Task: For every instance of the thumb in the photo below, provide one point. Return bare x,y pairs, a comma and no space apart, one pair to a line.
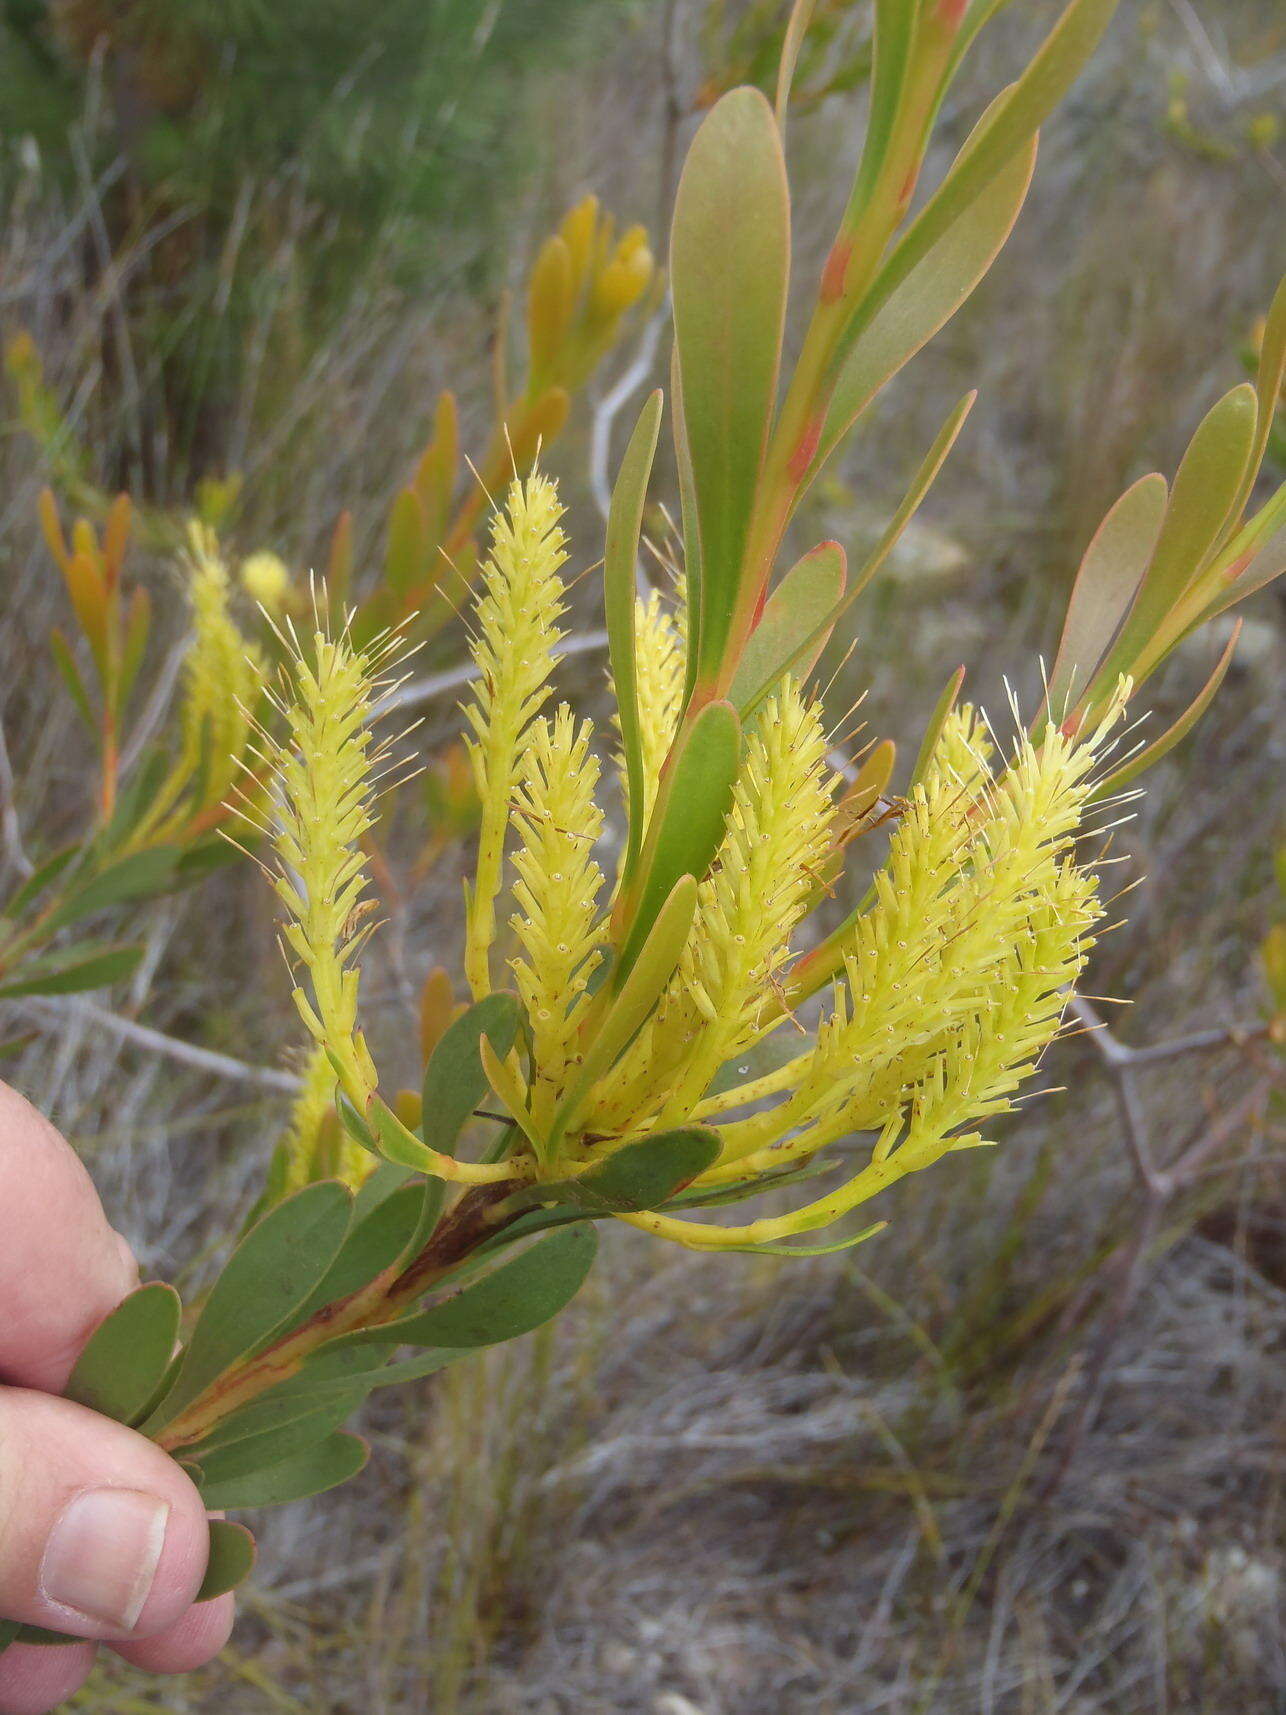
101,1534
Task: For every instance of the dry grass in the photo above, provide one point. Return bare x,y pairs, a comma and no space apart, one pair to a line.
727,1487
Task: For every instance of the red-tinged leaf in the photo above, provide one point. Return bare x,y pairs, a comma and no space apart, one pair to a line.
408,543
1205,488
1135,765
1109,576
895,27
925,300
794,628
730,261
620,560
88,592
538,428
687,822
1262,568
1006,128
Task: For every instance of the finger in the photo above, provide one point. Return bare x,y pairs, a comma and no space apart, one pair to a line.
191,1642
101,1534
62,1268
34,1679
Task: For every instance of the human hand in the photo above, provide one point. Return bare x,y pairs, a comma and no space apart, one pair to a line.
102,1535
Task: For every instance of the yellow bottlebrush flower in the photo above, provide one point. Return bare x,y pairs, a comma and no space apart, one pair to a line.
955,983
516,633
557,897
748,908
323,766
659,674
223,674
314,1145
266,580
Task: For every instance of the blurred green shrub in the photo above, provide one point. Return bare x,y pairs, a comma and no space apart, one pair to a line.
250,153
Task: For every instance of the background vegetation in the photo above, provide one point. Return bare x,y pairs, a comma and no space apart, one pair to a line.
1011,1457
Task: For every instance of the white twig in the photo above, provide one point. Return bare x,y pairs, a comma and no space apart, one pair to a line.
10,827
610,407
157,1042
418,691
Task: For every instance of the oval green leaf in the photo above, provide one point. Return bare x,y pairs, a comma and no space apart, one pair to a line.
125,1360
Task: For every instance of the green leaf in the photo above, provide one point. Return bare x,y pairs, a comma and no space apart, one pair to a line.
781,1248
1270,380
688,518
9,1630
1109,576
729,267
232,1559
142,875
881,344
454,1081
376,1244
640,1175
39,880
513,1299
933,731
796,29
323,1467
793,628
271,1274
910,504
639,993
408,545
290,1436
1133,766
1205,488
687,822
72,971
127,1356
620,561
70,675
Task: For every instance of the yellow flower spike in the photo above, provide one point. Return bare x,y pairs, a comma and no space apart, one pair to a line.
659,670
266,580
323,767
578,230
778,836
557,897
516,622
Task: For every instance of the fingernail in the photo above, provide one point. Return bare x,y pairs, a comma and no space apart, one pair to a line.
103,1553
